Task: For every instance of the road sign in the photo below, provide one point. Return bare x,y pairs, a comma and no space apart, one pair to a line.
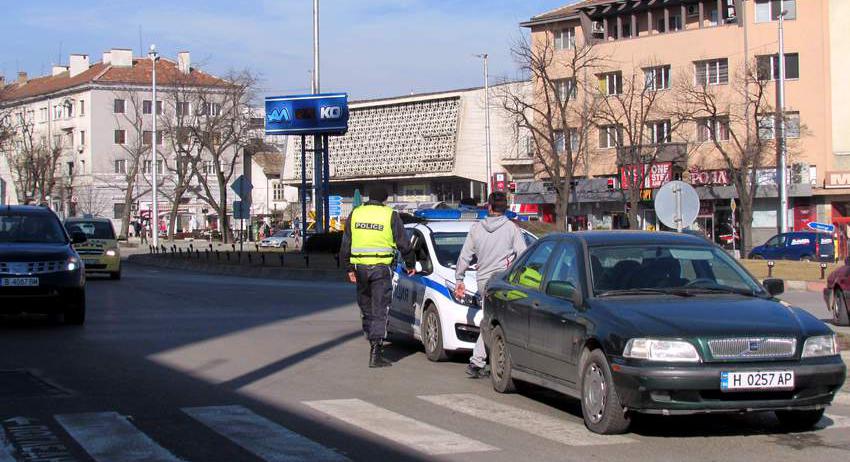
241,212
242,188
677,205
334,200
335,211
821,227
324,114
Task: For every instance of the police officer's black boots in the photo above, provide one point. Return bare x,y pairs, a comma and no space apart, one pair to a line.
376,356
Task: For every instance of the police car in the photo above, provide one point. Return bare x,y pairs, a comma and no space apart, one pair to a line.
424,305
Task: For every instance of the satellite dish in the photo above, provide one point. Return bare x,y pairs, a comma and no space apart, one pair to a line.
677,205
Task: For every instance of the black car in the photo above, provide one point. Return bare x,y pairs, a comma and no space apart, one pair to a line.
39,270
660,323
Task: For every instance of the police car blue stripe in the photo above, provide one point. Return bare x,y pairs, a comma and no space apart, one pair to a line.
430,283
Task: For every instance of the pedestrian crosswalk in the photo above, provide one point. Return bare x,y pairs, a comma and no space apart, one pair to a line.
109,436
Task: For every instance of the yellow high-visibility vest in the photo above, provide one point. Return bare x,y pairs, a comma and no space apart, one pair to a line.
372,240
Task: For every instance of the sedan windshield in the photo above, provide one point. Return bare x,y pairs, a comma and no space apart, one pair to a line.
31,228
285,233
92,229
447,246
636,270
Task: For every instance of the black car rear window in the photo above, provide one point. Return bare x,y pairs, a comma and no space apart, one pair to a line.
34,228
92,229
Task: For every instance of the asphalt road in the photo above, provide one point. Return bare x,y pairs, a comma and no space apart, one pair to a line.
185,367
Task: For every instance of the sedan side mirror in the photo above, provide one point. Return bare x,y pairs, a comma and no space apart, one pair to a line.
78,237
774,286
564,290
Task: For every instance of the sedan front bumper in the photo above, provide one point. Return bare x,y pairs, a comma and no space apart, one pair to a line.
696,389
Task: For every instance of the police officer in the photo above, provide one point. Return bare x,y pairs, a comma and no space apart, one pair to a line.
372,235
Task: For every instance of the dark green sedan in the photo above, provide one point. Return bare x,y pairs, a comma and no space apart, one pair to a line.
637,322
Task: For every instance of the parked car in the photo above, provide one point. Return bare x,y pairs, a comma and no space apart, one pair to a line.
424,305
660,323
100,252
835,294
40,272
801,245
280,239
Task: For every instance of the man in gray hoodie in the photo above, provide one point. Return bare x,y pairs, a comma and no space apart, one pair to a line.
496,242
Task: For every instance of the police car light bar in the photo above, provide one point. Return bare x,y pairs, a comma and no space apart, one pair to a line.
455,214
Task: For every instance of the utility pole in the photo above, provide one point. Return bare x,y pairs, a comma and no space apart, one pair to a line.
779,124
489,167
155,190
318,147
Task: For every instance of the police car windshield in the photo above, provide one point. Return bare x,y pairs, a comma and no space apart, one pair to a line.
31,228
92,229
447,246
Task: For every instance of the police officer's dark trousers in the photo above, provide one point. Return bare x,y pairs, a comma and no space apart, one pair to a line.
374,295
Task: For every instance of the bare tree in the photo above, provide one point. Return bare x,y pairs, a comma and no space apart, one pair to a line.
731,120
634,118
135,140
92,201
32,157
558,114
222,126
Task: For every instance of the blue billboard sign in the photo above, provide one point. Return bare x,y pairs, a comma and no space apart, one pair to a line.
821,226
323,114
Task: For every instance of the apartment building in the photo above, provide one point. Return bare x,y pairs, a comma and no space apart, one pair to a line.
711,41
86,112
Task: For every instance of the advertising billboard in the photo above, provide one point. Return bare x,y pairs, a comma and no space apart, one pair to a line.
323,114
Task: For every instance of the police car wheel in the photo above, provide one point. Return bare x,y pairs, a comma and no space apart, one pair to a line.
500,363
432,336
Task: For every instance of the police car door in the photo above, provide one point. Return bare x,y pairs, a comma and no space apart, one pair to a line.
405,293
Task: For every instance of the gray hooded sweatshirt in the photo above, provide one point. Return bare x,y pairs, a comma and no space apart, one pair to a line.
496,241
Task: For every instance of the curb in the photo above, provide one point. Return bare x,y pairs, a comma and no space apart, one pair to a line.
240,270
805,286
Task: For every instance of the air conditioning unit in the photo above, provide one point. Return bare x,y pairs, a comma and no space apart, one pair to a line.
693,10
597,27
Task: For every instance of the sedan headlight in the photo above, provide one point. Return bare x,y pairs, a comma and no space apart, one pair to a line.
661,350
111,253
72,264
469,298
822,345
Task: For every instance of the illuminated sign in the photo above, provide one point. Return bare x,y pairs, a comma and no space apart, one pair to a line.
323,114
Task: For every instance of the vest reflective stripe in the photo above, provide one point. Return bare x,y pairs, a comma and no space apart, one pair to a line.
372,240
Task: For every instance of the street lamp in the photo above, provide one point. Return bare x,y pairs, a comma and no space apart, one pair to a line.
781,146
489,167
155,212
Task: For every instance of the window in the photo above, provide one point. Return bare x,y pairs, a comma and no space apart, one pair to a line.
277,192
610,136
118,106
627,30
560,141
565,39
675,23
43,113
147,106
57,112
120,136
121,166
719,125
183,135
207,167
712,71
659,131
768,10
118,210
182,108
611,83
565,266
530,273
211,109
68,109
767,124
147,137
82,137
657,78
147,167
768,66
566,89
82,107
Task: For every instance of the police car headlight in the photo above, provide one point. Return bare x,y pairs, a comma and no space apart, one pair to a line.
661,350
822,345
469,298
111,253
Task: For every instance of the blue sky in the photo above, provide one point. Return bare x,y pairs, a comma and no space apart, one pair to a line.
370,48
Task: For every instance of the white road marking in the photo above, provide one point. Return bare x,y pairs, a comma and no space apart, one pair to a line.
542,425
262,437
398,428
110,437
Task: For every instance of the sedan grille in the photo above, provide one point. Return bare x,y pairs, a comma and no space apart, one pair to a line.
754,348
32,267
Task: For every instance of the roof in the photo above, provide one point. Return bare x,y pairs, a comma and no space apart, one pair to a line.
27,209
596,238
563,12
139,73
458,226
89,219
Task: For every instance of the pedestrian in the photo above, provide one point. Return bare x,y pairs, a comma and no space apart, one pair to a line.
373,235
495,241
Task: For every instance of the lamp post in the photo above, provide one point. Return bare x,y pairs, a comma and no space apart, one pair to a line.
489,167
781,141
155,190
